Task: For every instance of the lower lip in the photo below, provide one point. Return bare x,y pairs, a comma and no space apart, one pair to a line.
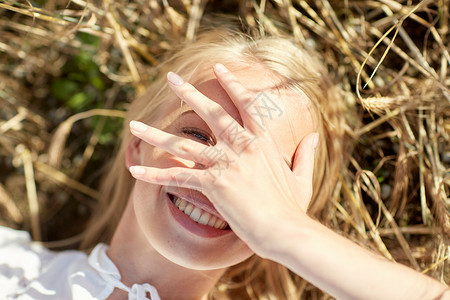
192,226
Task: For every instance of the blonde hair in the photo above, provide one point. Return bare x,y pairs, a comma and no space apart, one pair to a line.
302,72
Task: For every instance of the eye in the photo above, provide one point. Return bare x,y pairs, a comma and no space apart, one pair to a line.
200,135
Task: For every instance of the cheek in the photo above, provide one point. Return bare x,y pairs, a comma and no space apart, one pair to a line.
150,156
157,157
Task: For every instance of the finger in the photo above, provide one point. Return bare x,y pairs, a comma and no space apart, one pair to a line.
212,113
243,99
178,146
177,176
303,165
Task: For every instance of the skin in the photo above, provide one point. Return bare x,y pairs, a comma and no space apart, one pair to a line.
148,236
281,230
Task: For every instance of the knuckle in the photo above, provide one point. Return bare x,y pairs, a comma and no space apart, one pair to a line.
221,183
187,93
184,147
172,176
247,96
214,110
251,144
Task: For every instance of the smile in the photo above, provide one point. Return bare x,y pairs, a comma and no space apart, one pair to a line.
197,214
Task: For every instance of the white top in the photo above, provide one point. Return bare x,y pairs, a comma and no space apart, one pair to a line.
30,271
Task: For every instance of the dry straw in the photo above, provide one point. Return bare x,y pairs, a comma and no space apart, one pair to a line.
391,59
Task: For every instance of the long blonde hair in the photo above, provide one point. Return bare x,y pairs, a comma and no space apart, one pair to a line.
303,73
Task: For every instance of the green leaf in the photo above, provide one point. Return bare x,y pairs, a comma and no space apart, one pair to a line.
98,83
78,101
88,39
63,89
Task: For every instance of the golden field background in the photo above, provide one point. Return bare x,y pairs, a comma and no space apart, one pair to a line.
69,68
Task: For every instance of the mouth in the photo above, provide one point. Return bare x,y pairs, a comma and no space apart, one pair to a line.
197,214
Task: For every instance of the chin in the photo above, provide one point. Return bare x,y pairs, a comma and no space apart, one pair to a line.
183,226
194,262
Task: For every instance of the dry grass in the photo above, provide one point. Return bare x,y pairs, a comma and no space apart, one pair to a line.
391,59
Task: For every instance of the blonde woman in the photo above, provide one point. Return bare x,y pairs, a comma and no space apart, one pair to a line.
222,160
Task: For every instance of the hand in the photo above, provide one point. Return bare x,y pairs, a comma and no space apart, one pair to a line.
249,183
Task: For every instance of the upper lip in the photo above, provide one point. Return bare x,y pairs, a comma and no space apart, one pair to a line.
194,197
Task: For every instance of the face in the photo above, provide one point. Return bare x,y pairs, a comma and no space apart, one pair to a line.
172,232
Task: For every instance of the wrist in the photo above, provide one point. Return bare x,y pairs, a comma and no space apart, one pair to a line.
283,234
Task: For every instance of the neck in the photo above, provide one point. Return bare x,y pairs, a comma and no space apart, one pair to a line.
138,262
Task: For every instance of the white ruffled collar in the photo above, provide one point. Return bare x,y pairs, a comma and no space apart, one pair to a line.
99,260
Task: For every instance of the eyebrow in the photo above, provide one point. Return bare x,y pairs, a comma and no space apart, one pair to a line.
286,159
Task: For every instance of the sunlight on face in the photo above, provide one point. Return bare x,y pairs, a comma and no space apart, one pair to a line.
287,120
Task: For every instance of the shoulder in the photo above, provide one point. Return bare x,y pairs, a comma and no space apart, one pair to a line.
18,255
11,236
20,260
29,271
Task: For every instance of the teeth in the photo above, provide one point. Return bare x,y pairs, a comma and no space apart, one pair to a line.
188,209
212,221
204,219
220,224
181,205
195,214
198,215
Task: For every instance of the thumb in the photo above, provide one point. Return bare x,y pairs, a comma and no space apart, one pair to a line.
303,165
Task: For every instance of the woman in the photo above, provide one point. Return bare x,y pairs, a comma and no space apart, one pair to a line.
225,171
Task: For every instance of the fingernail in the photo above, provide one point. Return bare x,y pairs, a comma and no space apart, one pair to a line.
138,126
174,78
220,68
137,170
315,140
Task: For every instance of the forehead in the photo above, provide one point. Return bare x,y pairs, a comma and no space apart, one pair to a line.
285,114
